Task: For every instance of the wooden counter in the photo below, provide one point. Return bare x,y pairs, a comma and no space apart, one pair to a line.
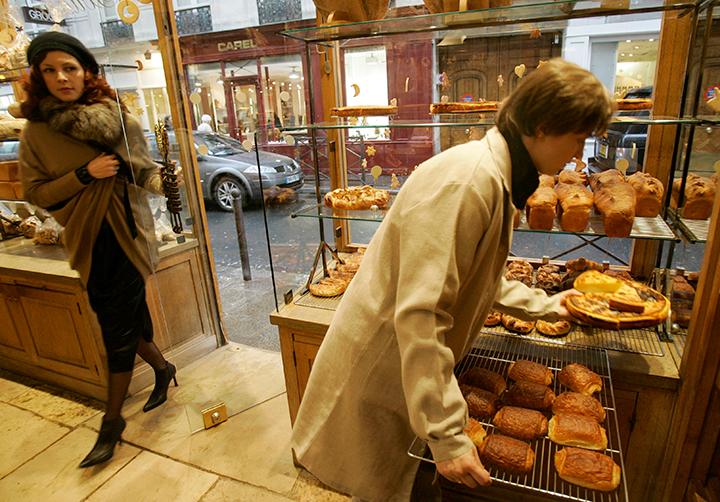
48,330
644,387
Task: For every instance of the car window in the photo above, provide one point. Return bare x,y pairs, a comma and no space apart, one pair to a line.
217,145
8,150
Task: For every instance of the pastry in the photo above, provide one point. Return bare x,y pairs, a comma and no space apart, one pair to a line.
626,299
519,266
579,404
699,197
29,226
588,469
475,431
507,453
580,379
553,329
518,326
605,179
649,192
546,180
484,379
626,104
619,274
520,423
549,279
577,430
357,197
328,287
575,204
481,403
594,281
463,107
529,395
616,204
570,177
362,111
681,289
493,318
530,371
540,208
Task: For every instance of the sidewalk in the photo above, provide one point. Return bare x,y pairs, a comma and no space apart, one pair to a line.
165,454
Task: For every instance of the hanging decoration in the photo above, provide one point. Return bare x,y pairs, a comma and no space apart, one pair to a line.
169,178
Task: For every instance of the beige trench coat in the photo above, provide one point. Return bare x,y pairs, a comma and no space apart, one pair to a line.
431,274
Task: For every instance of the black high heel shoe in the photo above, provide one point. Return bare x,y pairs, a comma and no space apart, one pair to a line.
162,381
110,433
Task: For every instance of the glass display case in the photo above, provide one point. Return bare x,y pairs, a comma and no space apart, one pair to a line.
477,56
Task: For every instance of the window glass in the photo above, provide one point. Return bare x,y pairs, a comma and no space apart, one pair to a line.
283,94
366,83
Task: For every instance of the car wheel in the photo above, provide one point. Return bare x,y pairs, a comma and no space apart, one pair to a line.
222,192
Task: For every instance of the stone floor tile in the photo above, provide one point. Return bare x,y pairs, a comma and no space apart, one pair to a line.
309,489
54,475
12,385
149,477
58,405
228,490
23,435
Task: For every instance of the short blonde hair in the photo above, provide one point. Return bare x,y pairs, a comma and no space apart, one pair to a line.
558,98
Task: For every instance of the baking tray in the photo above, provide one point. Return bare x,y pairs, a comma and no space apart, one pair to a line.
496,352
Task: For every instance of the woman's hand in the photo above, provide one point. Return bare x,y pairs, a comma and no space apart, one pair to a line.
465,469
562,311
103,166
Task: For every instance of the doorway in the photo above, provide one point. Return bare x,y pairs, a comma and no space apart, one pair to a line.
244,107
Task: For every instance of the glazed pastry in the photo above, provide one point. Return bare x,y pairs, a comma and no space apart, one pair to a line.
517,325
521,423
507,453
493,318
577,430
579,404
475,431
484,379
529,395
588,469
580,379
553,329
481,403
530,371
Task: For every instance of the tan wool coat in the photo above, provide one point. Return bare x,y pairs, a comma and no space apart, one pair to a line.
48,159
431,274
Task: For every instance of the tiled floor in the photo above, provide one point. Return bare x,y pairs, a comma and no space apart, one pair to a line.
165,454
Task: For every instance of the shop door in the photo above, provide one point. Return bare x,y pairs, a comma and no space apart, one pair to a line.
244,107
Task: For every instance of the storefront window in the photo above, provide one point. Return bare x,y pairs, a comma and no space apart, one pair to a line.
206,81
636,61
366,83
283,94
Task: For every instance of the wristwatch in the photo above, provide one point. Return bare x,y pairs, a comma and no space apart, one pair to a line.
84,175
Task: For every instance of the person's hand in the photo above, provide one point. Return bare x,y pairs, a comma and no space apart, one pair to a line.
465,469
562,311
103,166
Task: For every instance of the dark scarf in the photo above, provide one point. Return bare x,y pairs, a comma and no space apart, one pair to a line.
98,124
525,177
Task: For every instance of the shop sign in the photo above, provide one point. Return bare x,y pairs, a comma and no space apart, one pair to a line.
39,15
236,45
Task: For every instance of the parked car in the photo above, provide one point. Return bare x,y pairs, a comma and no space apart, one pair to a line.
228,165
621,137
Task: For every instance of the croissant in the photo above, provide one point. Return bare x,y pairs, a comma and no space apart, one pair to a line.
475,431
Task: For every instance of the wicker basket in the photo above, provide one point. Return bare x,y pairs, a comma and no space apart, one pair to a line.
344,11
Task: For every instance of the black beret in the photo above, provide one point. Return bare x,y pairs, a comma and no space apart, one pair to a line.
58,41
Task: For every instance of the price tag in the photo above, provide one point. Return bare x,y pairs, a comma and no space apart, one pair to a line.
376,171
622,165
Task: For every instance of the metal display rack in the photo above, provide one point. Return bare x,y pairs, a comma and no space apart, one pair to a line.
496,352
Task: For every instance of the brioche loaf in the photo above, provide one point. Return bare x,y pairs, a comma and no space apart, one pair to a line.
616,204
576,203
546,180
699,197
588,469
540,208
571,177
649,193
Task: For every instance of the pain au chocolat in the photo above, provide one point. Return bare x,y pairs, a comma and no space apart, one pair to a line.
521,423
529,395
506,453
577,430
530,371
485,379
579,404
588,469
580,379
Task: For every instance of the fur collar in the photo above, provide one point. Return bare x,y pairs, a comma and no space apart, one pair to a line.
98,123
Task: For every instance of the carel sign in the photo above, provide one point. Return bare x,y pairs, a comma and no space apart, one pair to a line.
38,15
236,45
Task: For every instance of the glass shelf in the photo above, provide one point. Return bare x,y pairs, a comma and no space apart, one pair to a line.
526,12
695,231
473,120
643,228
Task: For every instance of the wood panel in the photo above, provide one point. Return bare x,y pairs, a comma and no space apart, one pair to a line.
305,354
14,327
625,404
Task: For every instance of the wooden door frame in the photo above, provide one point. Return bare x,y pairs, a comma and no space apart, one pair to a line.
228,84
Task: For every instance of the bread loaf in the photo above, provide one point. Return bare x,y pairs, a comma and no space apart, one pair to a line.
577,430
649,192
507,453
475,431
616,203
576,203
529,395
570,177
605,178
588,469
481,403
484,379
540,209
546,180
580,379
530,371
579,404
521,423
699,197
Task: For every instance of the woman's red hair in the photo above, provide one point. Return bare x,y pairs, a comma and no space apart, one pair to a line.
96,89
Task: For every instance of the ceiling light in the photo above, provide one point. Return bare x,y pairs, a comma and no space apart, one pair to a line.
294,74
651,40
622,54
628,41
637,47
630,55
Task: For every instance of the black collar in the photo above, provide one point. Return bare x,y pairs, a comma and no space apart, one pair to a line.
525,177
